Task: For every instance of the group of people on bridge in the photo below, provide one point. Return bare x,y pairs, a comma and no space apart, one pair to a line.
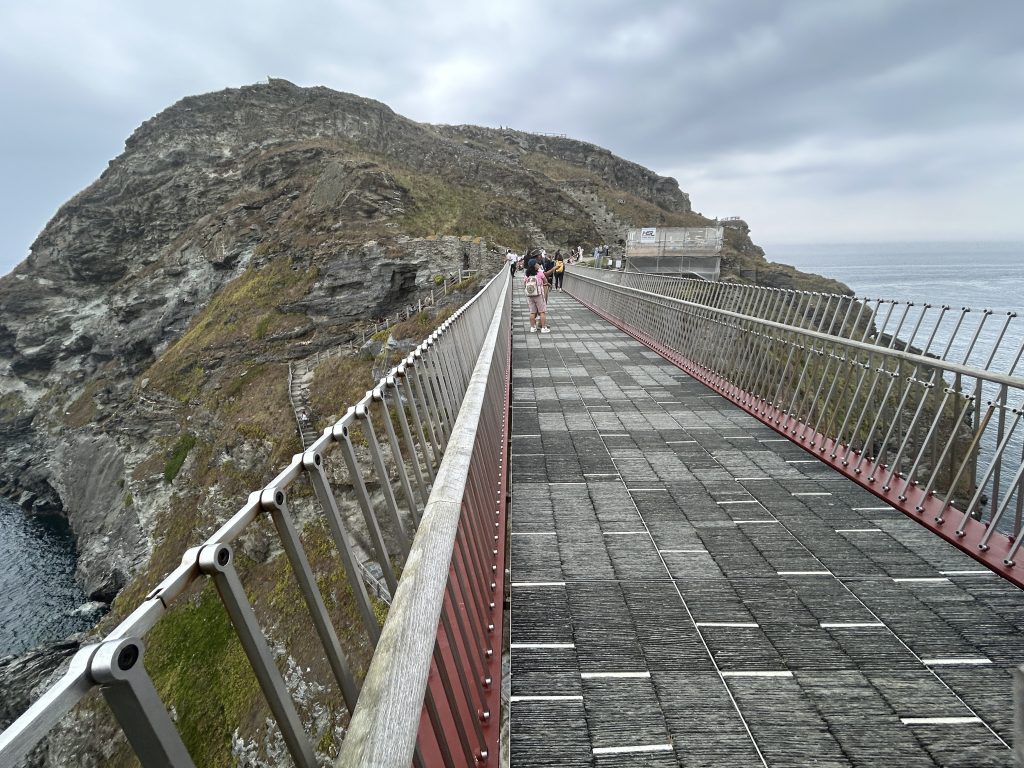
542,273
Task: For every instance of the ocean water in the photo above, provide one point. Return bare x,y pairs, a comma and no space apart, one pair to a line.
40,600
978,275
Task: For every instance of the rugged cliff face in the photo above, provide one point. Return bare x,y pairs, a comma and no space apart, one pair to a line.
145,342
315,210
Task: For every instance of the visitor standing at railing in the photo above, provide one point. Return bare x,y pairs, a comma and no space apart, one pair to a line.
559,271
535,284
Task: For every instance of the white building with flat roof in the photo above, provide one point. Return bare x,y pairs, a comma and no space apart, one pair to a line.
681,251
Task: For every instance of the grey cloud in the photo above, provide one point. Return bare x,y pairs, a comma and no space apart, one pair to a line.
667,84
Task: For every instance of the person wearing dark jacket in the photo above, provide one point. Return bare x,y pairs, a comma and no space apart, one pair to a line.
548,265
559,273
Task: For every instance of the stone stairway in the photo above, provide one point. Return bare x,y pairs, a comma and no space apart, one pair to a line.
300,376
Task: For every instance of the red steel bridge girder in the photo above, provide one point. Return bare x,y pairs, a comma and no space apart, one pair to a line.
430,749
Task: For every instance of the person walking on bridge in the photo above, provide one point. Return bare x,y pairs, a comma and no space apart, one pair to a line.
512,260
559,271
534,283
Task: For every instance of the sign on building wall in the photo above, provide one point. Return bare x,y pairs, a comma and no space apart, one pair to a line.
648,235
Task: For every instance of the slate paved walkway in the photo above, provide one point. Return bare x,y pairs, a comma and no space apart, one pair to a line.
690,589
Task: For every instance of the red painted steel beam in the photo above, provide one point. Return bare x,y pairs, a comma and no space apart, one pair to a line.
456,657
493,729
922,510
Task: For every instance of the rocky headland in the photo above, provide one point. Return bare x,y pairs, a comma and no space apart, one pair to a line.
145,345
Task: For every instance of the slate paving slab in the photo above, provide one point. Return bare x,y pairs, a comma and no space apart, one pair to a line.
688,590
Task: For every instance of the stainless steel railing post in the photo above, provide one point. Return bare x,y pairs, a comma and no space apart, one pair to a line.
128,690
216,560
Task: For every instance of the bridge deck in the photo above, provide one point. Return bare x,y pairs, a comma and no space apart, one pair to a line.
689,589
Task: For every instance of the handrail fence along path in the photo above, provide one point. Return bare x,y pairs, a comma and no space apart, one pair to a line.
430,439
899,397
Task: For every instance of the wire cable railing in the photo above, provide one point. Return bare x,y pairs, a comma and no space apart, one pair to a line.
423,453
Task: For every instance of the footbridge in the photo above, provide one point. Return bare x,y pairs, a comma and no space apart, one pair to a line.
698,524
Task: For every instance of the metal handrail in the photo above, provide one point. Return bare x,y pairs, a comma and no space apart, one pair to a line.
980,341
467,493
906,423
403,427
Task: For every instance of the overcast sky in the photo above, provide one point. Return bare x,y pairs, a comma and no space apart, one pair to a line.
815,120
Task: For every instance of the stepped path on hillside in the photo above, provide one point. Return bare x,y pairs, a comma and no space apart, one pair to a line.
690,588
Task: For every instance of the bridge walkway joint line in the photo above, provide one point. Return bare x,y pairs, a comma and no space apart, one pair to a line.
686,590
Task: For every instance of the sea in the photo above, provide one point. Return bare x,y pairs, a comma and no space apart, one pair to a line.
978,275
41,601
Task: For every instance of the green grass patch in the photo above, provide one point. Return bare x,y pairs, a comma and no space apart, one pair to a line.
238,313
263,326
178,455
200,669
466,283
558,170
444,208
340,382
422,324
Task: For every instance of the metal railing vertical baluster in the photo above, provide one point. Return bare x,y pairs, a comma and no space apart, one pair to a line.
362,414
869,400
790,341
927,388
216,561
342,433
792,412
864,363
435,392
425,447
380,397
833,355
451,699
905,394
117,667
1003,442
275,502
413,371
436,724
314,466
